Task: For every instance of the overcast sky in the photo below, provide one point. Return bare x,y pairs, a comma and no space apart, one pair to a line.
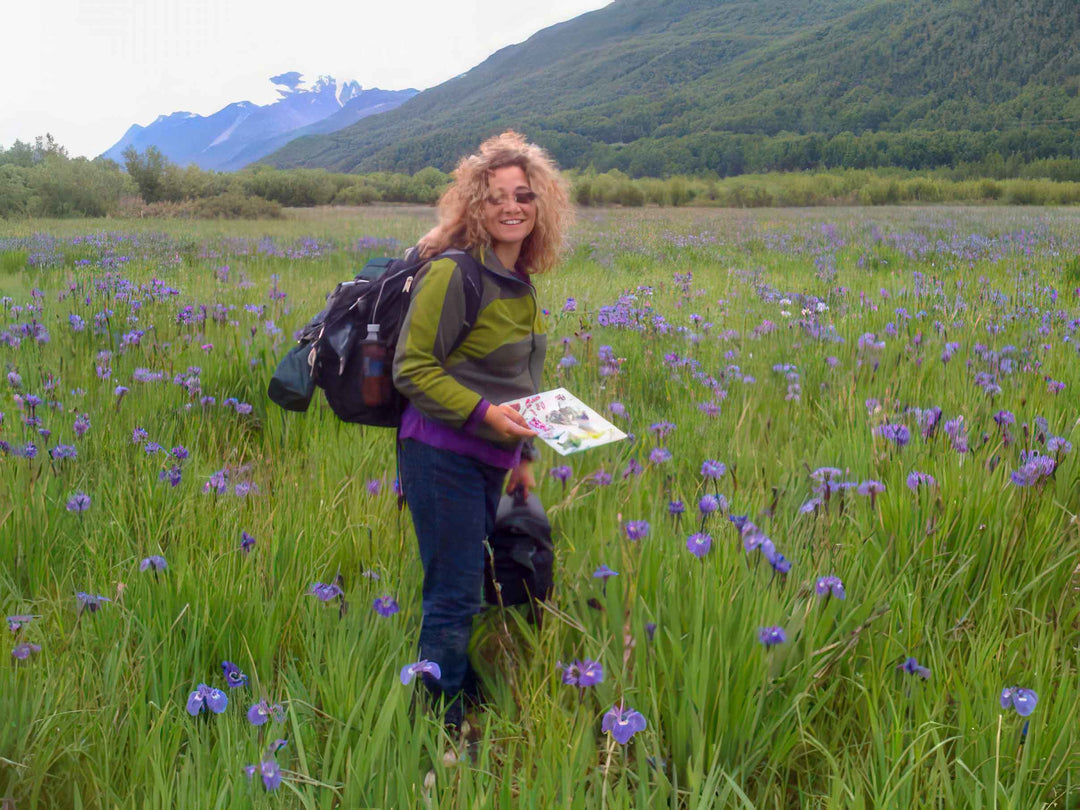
86,70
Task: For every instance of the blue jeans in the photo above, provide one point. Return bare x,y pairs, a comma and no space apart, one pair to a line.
452,499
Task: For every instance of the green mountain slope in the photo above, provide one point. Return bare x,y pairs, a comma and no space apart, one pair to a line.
733,85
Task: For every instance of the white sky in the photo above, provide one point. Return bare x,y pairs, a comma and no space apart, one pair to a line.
85,70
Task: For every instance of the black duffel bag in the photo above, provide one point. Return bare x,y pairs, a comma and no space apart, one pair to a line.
292,385
521,558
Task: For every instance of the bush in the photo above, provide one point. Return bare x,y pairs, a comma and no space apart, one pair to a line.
356,194
233,205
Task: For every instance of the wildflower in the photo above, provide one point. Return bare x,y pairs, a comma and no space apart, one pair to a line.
709,504
699,544
82,424
374,486
569,361
570,305
830,586
173,475
623,723
601,478
895,433
778,561
17,622
676,508
233,676
262,712
582,673
913,667
218,482
152,448
603,572
20,652
662,428
410,671
771,636
385,606
271,773
659,455
1023,700
179,452
63,451
561,473
155,562
650,630
811,505
916,478
617,408
79,502
636,529
713,469
90,603
138,435
633,467
325,592
204,697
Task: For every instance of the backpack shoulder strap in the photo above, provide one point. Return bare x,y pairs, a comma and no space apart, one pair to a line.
470,276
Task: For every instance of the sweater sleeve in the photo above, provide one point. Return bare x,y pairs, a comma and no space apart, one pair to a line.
434,319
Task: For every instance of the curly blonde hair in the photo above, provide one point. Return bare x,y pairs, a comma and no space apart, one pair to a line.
461,207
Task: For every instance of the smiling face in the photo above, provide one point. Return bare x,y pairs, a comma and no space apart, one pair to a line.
507,220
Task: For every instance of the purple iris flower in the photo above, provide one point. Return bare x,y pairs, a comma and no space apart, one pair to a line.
385,606
603,572
778,561
90,602
712,469
179,452
582,673
623,723
233,676
205,697
912,667
410,671
20,652
247,542
895,433
617,408
636,529
699,544
174,475
155,562
17,622
1023,700
916,478
561,473
676,508
830,586
269,770
79,502
262,712
601,478
709,504
325,592
659,455
138,435
633,467
374,486
771,636
152,448
810,506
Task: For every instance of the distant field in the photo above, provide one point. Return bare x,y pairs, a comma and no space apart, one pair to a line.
886,396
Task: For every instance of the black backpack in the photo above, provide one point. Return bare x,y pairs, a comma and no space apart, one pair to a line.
328,351
521,555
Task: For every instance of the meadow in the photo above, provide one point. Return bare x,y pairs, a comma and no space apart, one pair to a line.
844,526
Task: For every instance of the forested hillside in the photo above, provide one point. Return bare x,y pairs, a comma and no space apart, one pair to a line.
733,86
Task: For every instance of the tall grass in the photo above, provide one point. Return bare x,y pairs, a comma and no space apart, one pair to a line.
976,577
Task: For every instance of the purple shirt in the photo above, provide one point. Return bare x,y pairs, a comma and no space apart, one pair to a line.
414,425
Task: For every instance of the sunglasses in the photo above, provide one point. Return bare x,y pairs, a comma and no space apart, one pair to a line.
522,196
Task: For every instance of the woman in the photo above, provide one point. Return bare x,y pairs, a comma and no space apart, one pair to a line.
508,208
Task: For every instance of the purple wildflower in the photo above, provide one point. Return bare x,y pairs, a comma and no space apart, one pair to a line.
262,712
601,478
325,592
374,486
385,606
410,671
233,676
636,529
699,544
18,621
205,697
780,564
20,652
1023,700
173,475
771,636
676,508
710,503
713,469
623,723
830,586
247,542
138,435
561,473
916,478
659,455
155,562
79,502
912,667
89,602
583,673
603,572
617,408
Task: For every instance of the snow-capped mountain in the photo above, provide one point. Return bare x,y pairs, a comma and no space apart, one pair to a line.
242,132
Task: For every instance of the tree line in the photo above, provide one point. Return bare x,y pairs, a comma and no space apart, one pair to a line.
42,180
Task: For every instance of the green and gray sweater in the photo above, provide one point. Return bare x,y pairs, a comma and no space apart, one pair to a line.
500,359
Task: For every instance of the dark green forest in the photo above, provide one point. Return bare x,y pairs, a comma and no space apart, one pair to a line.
728,87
